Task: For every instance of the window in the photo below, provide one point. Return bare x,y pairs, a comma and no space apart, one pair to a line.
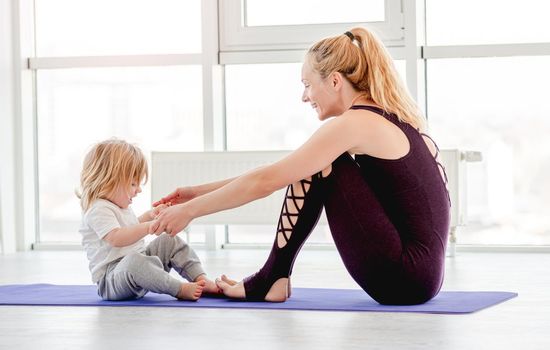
265,112
289,12
471,22
158,108
489,104
122,27
264,108
286,25
499,107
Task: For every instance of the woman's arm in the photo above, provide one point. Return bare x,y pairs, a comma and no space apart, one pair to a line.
330,141
199,190
184,194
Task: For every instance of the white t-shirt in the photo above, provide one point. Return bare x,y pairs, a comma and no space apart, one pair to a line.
101,218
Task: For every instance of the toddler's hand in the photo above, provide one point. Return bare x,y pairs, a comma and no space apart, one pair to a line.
153,226
158,209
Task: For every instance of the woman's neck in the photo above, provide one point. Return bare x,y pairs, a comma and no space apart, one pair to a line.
362,99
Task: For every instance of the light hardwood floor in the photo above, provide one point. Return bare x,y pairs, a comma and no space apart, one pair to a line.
520,323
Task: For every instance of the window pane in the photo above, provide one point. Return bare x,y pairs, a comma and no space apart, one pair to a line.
401,68
289,12
451,22
156,108
266,113
105,27
471,108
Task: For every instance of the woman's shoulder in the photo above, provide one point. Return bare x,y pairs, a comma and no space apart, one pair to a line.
367,119
378,135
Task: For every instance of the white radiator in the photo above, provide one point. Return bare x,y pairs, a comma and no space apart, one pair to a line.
173,169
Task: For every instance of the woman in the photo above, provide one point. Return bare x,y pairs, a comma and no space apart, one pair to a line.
387,208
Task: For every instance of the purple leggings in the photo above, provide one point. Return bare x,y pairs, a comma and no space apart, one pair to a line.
391,266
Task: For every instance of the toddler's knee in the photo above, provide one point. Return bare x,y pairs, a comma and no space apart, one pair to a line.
133,258
164,240
136,262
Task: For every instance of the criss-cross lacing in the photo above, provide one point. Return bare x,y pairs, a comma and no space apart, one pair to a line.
290,215
441,166
299,215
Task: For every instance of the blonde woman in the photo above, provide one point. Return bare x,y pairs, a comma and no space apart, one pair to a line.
120,263
370,166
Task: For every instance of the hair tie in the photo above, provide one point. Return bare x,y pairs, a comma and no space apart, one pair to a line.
350,36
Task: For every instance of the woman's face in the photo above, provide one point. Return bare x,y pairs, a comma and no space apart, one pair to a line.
319,93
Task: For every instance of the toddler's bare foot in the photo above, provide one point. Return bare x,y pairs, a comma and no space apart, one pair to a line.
191,291
209,286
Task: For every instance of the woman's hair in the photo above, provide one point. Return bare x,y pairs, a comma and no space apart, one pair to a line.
108,165
362,59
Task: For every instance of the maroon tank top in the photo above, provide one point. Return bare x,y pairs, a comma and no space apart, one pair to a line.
411,189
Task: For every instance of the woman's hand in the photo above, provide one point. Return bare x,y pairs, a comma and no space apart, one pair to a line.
171,220
179,196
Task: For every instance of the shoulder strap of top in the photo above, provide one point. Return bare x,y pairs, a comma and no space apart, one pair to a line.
432,140
371,108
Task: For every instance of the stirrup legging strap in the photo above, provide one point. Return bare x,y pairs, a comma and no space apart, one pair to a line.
281,258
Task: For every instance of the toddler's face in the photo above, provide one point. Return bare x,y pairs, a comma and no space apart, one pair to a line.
123,196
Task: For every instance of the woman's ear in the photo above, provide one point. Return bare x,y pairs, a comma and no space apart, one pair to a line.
337,80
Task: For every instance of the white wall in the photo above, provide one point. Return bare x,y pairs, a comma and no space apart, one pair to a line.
7,129
18,213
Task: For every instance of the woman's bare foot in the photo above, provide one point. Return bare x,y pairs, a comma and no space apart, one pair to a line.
210,286
228,280
277,293
231,288
191,291
233,282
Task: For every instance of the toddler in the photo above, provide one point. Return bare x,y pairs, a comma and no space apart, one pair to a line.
121,265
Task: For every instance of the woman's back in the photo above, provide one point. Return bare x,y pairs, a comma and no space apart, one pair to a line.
411,188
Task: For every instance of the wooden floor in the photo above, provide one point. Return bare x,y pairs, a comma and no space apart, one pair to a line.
520,323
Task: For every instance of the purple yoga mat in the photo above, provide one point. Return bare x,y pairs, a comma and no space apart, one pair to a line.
302,299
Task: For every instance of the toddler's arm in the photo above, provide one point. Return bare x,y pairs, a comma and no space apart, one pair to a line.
125,236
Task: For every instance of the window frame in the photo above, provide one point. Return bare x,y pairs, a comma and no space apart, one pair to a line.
235,36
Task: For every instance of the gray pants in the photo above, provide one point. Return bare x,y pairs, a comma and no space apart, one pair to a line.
138,273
